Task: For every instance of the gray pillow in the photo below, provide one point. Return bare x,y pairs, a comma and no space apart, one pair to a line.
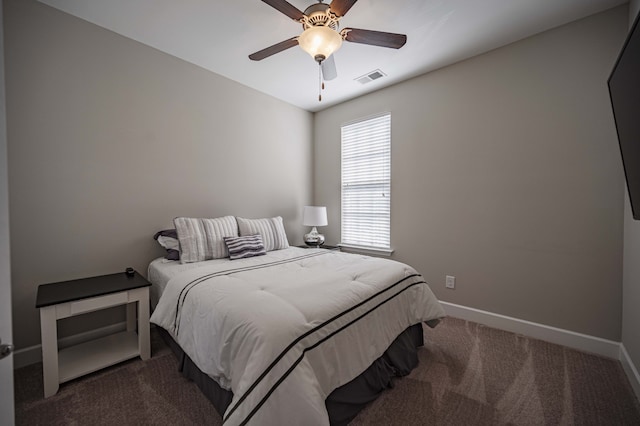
243,247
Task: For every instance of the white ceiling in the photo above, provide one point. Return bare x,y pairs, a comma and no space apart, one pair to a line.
219,35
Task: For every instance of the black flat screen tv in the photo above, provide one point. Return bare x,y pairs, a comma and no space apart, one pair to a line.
624,90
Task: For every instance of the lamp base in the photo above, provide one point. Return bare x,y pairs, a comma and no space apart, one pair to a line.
313,238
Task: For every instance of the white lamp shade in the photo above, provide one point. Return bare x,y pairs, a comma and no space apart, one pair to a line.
320,41
314,216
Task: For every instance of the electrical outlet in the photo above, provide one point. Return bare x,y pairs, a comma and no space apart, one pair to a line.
450,282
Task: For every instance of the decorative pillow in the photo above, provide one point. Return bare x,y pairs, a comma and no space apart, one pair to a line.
203,239
243,247
168,239
272,231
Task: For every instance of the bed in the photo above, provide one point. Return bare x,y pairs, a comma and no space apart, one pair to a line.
297,336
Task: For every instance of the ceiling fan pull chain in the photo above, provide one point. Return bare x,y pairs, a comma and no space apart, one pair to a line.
320,83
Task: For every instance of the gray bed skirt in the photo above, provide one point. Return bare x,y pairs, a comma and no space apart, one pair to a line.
344,403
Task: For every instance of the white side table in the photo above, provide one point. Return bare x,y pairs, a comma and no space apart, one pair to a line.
69,298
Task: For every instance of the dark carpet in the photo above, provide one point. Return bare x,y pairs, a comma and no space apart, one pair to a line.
469,374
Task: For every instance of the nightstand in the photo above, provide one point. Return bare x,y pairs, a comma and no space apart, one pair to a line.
69,298
324,246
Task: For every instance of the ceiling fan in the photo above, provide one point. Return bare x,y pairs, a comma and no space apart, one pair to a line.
321,37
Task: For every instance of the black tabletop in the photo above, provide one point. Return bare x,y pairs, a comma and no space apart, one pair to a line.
322,246
68,291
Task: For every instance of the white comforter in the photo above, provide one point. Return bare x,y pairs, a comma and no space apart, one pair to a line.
282,331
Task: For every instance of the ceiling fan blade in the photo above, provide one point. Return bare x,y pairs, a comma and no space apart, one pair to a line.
376,38
329,69
272,50
287,8
341,7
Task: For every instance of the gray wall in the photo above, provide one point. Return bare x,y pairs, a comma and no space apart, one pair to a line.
109,140
506,174
631,278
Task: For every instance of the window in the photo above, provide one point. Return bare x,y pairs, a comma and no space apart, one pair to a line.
366,183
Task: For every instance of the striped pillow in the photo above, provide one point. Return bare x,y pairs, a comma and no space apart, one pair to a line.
203,239
243,247
272,231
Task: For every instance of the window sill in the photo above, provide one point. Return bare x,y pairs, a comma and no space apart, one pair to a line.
351,248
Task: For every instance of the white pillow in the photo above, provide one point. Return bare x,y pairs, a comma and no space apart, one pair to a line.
168,239
203,239
272,231
169,243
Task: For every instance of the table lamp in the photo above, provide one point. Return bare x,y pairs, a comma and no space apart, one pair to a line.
314,216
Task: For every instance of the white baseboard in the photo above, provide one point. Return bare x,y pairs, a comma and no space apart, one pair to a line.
547,333
33,354
630,369
571,339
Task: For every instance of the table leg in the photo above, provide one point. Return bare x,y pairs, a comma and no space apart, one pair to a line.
49,332
143,326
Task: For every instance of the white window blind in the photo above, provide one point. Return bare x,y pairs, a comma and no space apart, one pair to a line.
366,182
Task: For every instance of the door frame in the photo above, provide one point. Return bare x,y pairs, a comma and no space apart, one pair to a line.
7,407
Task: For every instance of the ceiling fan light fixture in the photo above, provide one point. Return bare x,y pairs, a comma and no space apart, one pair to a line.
320,42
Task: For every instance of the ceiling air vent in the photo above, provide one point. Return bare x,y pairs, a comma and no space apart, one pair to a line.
370,76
